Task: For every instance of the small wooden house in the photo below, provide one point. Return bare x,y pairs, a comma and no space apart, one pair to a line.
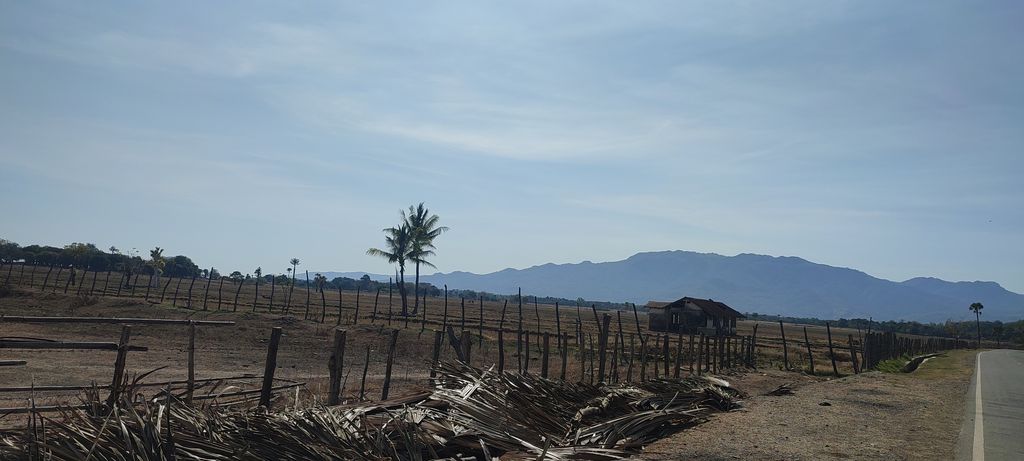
693,315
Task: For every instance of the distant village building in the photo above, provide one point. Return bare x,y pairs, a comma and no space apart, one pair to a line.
693,315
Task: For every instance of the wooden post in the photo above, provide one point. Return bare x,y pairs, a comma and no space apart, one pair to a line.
785,349
190,383
373,316
72,277
831,352
700,350
558,327
536,311
119,363
480,328
467,346
501,351
853,357
206,293
615,361
590,353
366,366
665,355
336,367
435,355
565,356
148,287
340,311
190,285
679,355
238,291
307,293
689,353
389,364
462,302
220,291
753,348
106,283
632,352
602,345
273,290
444,316
270,367
355,317
810,355
177,287
643,359
47,278
519,332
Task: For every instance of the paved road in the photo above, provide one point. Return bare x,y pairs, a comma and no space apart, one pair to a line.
994,426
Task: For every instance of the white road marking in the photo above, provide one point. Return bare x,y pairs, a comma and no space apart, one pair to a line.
979,432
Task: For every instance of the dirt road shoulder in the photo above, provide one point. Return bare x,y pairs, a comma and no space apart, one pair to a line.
869,416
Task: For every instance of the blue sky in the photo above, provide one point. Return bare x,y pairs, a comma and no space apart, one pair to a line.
884,136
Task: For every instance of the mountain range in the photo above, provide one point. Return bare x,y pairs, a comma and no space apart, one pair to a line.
785,285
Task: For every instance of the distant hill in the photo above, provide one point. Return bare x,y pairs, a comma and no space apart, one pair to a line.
751,283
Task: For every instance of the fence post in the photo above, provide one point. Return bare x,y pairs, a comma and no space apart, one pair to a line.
501,352
853,356
810,356
190,385
545,355
389,364
467,345
366,367
270,367
565,356
162,292
679,354
785,349
435,355
602,345
831,352
336,366
119,363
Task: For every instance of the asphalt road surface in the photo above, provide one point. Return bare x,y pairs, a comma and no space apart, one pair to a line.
994,426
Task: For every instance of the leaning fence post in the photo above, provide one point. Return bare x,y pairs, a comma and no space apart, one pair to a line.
810,356
467,345
679,354
785,349
390,363
366,367
271,366
831,353
119,363
336,366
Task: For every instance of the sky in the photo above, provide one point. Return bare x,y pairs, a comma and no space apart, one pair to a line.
883,136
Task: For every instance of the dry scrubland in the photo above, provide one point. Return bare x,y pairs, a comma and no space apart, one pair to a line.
305,347
913,407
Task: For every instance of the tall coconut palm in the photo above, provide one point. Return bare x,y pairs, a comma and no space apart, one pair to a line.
977,307
398,242
295,263
424,228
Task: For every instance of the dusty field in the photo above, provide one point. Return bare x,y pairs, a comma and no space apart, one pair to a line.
869,416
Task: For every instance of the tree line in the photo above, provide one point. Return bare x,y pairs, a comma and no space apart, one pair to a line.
1010,332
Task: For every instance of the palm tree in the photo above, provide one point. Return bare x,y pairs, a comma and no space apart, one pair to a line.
156,261
424,229
398,242
977,307
319,281
295,263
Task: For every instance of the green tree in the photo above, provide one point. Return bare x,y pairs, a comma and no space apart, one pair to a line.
977,307
424,229
398,242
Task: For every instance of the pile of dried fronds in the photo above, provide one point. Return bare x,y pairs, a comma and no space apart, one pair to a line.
470,414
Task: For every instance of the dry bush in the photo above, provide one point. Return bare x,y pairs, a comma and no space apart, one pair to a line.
81,301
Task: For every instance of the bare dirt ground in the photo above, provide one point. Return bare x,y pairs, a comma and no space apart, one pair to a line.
869,416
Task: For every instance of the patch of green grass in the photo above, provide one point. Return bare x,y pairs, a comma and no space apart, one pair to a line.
893,365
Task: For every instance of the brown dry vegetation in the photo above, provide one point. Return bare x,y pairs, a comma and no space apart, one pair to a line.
304,351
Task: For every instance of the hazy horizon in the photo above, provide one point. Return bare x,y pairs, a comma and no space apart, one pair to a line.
871,135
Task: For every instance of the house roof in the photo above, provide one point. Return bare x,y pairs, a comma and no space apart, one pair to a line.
709,306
